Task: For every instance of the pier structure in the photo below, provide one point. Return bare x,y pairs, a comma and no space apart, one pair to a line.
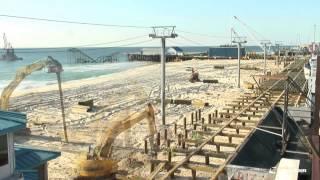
203,136
76,56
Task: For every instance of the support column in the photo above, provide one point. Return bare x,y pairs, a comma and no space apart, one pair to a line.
163,80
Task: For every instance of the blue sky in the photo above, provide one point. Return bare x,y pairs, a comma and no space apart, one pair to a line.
288,21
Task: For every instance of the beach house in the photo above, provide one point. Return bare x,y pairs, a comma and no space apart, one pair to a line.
17,161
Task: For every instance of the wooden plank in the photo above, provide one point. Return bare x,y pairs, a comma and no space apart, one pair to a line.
194,141
221,134
237,149
191,165
199,148
241,115
230,126
203,153
232,135
159,167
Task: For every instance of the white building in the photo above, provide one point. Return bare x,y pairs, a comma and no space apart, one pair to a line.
176,51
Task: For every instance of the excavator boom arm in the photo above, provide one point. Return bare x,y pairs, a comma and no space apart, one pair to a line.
23,72
120,126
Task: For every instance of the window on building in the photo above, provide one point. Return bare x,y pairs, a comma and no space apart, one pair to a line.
3,150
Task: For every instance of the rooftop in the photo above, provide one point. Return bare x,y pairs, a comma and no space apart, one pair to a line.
28,158
11,121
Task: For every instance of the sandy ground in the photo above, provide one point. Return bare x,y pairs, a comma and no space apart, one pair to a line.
116,96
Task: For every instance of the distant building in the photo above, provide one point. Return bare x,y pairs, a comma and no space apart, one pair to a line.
176,51
150,51
18,162
226,52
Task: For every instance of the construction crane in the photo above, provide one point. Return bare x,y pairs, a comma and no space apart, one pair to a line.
53,67
251,32
5,46
98,162
8,51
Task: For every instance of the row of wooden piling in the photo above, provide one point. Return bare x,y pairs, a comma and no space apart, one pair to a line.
213,120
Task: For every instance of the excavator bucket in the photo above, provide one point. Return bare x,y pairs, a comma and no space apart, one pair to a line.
97,168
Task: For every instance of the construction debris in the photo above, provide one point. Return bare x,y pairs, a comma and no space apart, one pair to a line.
218,66
194,76
248,85
210,81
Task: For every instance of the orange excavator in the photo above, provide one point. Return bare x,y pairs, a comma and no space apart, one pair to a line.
98,163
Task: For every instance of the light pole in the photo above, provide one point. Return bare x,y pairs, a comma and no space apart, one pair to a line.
265,43
239,40
163,32
278,44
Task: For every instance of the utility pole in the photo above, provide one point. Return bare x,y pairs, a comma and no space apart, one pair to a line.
314,33
238,40
163,32
284,118
265,43
278,44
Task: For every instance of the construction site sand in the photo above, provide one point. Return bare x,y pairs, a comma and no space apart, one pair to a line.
128,146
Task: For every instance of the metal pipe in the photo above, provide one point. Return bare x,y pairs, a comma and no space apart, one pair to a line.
163,79
62,108
239,46
265,60
270,132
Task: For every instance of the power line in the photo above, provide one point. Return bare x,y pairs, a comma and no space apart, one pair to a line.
87,49
200,34
111,42
187,39
97,44
73,22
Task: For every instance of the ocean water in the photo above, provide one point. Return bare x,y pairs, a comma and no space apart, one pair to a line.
71,71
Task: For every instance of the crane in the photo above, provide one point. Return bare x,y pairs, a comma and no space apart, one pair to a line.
53,67
5,41
249,29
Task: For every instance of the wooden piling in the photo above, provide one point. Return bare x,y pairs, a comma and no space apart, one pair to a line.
145,146
158,139
186,134
207,159
192,118
169,156
175,128
165,134
194,174
218,148
168,143
152,167
196,116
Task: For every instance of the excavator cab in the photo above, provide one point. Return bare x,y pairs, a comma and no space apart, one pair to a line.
54,69
54,66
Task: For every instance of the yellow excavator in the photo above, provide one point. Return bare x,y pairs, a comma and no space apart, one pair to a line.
51,64
98,163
